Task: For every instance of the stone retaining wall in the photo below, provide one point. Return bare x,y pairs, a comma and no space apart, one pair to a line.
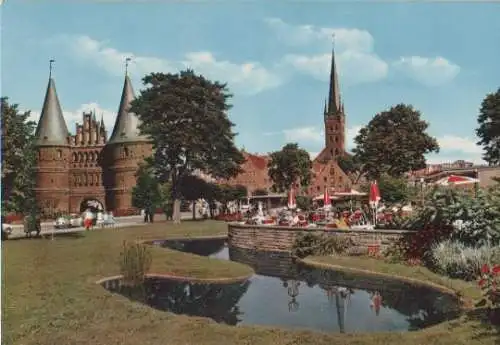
281,238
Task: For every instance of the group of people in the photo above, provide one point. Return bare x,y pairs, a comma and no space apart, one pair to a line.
100,219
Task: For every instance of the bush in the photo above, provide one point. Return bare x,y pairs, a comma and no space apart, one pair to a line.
457,260
135,262
312,244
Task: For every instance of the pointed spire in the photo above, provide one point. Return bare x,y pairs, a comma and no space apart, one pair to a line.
102,120
326,107
51,129
334,95
126,127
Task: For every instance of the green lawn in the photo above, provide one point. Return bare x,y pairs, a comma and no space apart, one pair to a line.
50,297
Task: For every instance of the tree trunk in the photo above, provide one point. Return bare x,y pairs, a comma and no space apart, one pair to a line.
194,210
177,211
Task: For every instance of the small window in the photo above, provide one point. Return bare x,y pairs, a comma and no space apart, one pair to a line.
125,150
325,179
59,154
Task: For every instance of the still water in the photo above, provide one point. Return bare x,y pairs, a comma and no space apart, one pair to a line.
285,294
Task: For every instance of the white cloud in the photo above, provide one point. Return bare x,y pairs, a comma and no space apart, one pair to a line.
313,155
74,116
355,58
247,77
428,71
304,135
351,133
453,148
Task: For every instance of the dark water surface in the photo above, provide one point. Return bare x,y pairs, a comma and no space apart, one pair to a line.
285,294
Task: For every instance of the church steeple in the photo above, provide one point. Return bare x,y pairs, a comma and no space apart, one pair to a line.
334,104
126,127
51,129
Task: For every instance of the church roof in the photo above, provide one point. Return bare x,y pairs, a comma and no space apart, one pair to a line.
51,129
126,127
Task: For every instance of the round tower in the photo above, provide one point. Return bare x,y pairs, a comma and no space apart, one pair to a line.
53,156
125,150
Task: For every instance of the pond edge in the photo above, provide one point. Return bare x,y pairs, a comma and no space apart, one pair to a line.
466,303
175,277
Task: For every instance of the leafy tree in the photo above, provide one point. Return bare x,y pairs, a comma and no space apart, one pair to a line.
193,188
146,194
394,190
350,166
394,142
185,115
304,202
289,166
18,159
489,127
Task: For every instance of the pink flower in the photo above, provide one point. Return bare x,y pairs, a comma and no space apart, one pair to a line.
485,269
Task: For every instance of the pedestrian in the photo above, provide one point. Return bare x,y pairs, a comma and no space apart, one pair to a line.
87,220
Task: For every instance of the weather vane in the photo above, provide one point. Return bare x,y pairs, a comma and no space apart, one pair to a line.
127,60
50,67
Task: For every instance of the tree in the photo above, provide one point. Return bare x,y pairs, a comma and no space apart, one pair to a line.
192,188
289,166
394,142
18,159
489,127
146,194
185,115
394,190
350,166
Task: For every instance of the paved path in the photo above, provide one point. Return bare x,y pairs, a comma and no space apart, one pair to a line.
121,222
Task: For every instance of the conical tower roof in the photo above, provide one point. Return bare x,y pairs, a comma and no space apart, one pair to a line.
51,129
126,127
334,94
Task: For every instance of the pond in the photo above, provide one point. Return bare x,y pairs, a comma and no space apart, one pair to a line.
290,295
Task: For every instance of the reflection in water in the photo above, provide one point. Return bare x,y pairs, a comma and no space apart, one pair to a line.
262,300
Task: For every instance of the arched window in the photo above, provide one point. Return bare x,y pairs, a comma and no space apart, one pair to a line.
91,156
59,154
80,157
126,151
86,156
75,157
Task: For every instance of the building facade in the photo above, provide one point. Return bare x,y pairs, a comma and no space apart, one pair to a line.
326,171
85,170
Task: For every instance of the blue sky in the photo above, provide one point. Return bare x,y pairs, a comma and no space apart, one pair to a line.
440,57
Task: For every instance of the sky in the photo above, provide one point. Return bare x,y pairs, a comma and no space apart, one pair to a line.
440,57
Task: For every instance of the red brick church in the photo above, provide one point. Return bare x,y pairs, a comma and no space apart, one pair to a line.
326,171
84,170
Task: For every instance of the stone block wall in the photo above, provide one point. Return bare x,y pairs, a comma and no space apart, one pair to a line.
281,238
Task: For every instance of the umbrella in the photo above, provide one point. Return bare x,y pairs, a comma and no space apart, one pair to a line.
292,203
327,203
374,195
374,199
454,180
351,192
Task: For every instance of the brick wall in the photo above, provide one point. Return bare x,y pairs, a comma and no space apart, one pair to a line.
280,238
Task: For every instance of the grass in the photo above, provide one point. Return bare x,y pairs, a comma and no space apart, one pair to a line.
50,297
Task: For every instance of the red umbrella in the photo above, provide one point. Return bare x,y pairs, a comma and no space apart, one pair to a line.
292,203
326,198
374,194
456,180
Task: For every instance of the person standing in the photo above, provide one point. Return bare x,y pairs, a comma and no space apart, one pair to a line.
87,219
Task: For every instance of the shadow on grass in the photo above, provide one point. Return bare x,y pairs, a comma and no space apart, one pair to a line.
486,323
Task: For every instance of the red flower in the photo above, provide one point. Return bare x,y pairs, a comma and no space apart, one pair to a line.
482,282
485,269
496,270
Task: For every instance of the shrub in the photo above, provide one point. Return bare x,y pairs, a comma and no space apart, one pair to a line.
457,260
490,285
312,244
135,262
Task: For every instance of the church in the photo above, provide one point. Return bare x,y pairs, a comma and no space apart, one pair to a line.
326,171
87,170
